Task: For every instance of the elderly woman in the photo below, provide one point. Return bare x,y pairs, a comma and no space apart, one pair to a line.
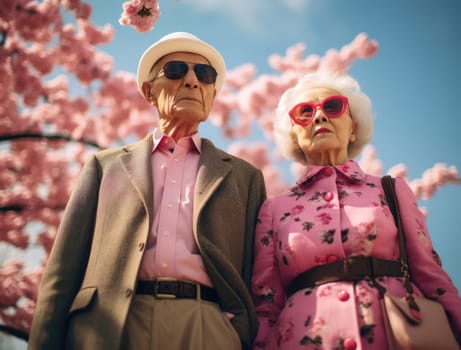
334,212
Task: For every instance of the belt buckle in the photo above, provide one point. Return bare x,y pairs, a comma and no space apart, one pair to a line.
163,295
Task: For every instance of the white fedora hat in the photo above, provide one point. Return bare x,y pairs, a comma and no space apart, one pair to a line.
180,42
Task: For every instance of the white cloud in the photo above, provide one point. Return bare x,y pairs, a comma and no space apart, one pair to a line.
248,14
296,5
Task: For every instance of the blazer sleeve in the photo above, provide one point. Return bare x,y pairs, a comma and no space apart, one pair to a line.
256,197
67,262
425,266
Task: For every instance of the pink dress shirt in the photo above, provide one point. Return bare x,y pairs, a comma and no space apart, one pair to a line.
171,248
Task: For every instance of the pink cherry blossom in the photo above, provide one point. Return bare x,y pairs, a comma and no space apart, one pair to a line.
9,276
140,14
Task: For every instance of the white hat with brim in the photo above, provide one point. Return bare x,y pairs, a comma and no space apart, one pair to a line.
180,42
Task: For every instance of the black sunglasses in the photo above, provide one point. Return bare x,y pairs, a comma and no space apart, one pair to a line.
175,70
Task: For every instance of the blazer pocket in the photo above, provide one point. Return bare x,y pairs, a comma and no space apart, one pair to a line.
83,299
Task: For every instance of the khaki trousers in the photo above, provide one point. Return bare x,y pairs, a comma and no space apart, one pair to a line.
177,324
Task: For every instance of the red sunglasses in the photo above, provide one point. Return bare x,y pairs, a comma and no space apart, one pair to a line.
333,106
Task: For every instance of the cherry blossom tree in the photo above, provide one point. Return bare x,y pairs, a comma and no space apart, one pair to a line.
61,100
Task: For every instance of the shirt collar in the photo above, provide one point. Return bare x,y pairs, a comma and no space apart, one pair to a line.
163,141
350,170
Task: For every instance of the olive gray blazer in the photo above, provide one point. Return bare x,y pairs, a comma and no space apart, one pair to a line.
91,274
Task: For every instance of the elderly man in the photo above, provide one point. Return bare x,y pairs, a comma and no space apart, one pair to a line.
155,247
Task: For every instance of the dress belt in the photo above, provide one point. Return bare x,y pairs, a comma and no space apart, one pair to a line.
349,269
167,288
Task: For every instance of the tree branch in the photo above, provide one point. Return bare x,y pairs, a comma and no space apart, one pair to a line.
19,207
14,332
39,136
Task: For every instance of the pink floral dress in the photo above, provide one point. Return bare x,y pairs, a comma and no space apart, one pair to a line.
333,213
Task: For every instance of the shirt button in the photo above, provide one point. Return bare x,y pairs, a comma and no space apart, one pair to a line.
166,233
164,265
328,171
141,246
343,295
128,292
170,205
350,344
328,196
173,181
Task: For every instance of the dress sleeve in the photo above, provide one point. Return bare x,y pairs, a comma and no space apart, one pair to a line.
425,265
267,288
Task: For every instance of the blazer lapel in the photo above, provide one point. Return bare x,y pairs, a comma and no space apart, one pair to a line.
213,169
136,162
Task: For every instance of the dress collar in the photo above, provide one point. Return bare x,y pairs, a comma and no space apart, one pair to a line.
350,170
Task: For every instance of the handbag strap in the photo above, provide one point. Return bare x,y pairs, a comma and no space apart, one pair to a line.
388,183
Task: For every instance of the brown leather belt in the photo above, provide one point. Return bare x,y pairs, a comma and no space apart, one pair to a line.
172,289
350,269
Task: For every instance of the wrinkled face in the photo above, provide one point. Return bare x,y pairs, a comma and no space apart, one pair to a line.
185,100
323,134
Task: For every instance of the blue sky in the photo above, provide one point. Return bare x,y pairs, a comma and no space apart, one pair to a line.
412,81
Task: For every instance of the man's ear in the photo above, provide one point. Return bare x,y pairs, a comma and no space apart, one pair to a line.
147,92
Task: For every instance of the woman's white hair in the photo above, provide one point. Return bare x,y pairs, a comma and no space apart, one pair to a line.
359,104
